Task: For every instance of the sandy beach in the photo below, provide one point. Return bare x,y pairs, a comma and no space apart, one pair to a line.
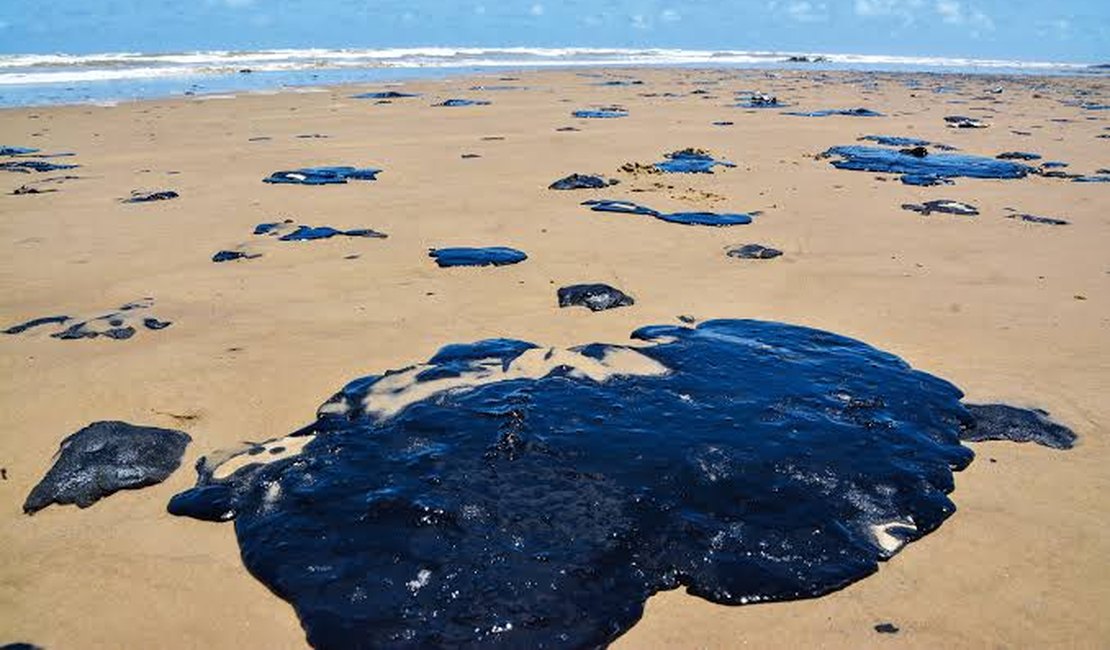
1008,310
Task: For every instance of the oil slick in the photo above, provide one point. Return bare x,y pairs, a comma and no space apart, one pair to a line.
507,495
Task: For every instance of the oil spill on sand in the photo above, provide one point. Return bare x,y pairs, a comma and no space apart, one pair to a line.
484,256
104,458
507,495
683,218
942,165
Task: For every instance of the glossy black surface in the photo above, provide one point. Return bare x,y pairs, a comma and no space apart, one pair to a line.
311,233
487,256
925,180
759,100
940,165
228,256
964,122
753,252
36,322
386,94
119,324
895,141
1032,218
582,182
684,218
595,297
287,230
768,462
335,175
946,206
28,166
463,102
6,150
604,113
104,458
846,112
1005,422
902,141
690,161
146,197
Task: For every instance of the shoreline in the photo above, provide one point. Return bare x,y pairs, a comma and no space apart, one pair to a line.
392,75
1007,310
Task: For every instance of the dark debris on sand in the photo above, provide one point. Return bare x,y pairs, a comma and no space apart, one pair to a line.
753,252
35,322
228,256
544,510
690,161
685,218
328,175
112,325
1005,422
139,196
483,256
28,166
104,458
595,297
288,231
1032,218
455,103
943,205
919,163
845,112
925,180
964,122
600,113
387,94
582,182
762,100
30,189
7,150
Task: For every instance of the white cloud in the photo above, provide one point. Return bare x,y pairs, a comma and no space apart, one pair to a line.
1058,28
901,8
950,11
639,22
1062,27
874,7
981,21
536,10
974,19
804,11
670,16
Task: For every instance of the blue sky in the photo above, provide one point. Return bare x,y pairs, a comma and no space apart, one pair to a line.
1062,30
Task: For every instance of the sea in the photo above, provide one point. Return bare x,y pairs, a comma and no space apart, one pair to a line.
108,78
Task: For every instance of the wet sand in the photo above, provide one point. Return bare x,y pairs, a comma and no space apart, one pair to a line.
1007,310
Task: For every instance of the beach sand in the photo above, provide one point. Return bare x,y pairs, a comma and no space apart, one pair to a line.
1007,310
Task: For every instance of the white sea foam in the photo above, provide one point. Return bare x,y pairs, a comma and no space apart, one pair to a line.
38,79
69,68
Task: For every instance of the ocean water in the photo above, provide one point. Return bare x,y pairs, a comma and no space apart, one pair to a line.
44,79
